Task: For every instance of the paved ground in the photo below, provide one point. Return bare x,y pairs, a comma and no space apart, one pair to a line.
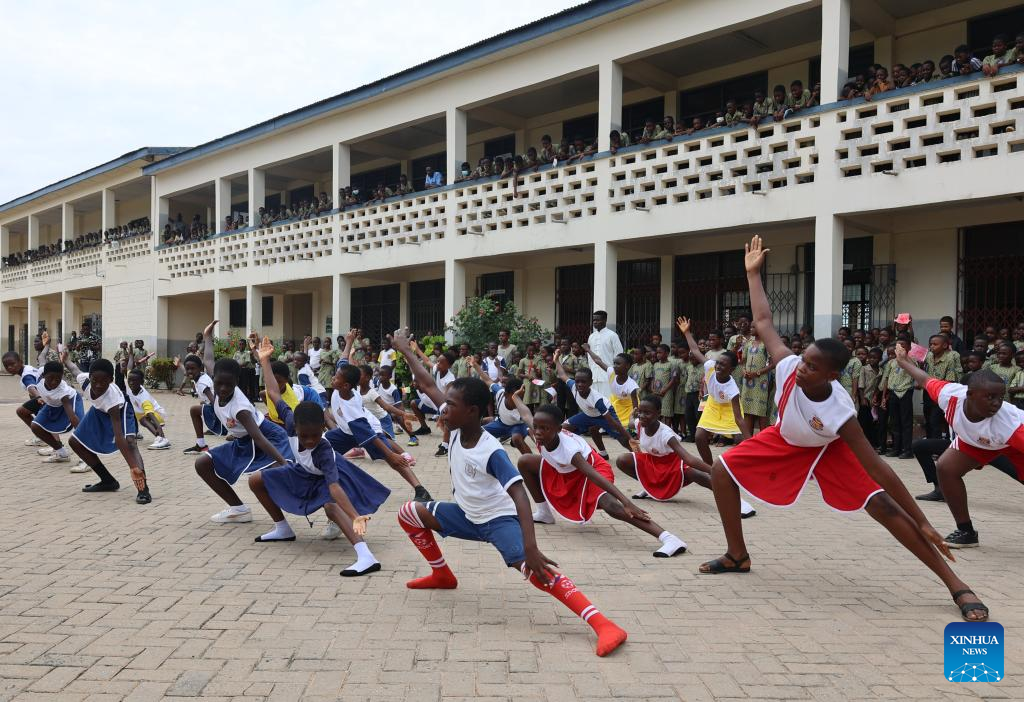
104,599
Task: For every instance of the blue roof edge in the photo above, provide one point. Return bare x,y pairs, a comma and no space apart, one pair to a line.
528,32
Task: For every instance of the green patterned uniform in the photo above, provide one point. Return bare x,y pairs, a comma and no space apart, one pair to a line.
1004,372
641,373
328,363
851,371
525,370
661,376
896,379
946,368
679,404
755,393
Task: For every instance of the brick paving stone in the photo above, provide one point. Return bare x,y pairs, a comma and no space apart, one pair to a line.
102,599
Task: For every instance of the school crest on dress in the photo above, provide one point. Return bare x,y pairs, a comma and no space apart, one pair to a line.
816,424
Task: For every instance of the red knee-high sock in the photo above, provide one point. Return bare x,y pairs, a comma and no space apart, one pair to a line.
422,538
609,635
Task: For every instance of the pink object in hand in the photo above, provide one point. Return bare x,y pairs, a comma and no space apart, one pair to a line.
918,352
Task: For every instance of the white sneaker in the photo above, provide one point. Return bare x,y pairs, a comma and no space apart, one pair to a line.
233,515
57,458
331,532
44,451
34,441
543,514
160,443
81,467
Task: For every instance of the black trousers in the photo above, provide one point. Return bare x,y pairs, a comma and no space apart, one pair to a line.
934,420
901,410
692,415
247,383
869,425
927,451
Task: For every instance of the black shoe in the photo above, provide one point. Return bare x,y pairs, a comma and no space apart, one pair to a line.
422,431
103,486
441,451
143,498
892,453
349,573
906,455
933,496
422,495
195,450
963,539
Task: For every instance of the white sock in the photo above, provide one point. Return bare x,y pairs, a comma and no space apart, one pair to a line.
444,445
200,442
670,543
364,557
281,530
62,452
543,514
745,507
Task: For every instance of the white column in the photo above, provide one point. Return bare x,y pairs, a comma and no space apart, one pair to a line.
108,209
5,241
257,194
835,48
456,129
221,202
33,328
67,316
609,104
341,304
341,158
163,328
6,342
519,289
883,52
254,308
454,290
222,309
161,213
828,274
33,232
670,107
666,313
403,305
67,222
606,275
521,145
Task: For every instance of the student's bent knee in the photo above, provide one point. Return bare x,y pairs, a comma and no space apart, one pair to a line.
882,506
528,462
204,465
624,461
256,481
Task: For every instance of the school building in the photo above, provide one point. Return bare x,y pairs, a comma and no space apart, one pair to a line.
905,203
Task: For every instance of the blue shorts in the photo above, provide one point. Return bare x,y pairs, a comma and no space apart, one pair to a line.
387,425
233,459
426,408
55,419
499,430
96,432
504,533
343,443
581,424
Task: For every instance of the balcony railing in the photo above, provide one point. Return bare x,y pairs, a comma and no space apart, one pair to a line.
414,219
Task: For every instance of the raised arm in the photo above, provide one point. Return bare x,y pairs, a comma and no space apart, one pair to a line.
562,375
400,342
524,411
69,364
595,357
209,359
44,340
265,353
753,259
424,358
683,323
912,369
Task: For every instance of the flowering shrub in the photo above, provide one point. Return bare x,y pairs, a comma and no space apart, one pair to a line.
480,320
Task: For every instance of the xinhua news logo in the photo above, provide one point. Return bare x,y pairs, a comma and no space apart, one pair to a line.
974,652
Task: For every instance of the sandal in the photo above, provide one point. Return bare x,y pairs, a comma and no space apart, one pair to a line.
719,565
969,606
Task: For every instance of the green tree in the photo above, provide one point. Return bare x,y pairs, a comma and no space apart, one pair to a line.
480,320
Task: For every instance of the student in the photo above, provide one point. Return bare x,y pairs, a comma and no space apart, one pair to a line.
664,379
291,394
755,380
943,364
1001,363
595,412
148,412
351,427
1002,55
317,478
868,398
985,426
390,393
306,376
897,388
376,405
491,504
202,415
29,376
507,424
659,462
570,479
527,370
108,427
721,412
818,436
624,394
964,62
61,411
691,386
255,441
440,370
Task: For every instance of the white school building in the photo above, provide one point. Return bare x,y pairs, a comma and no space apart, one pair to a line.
911,202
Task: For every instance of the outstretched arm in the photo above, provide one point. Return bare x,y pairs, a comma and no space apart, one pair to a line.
753,260
580,464
265,353
562,375
687,457
400,342
683,323
910,367
524,411
247,421
208,357
71,365
595,357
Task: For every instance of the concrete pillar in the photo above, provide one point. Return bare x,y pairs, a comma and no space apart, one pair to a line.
341,304
68,320
6,340
609,104
519,289
606,274
163,328
161,213
403,305
454,291
5,242
835,48
828,274
33,328
108,209
67,222
521,145
883,52
257,194
341,158
671,106
666,313
33,232
456,129
253,308
221,202
222,308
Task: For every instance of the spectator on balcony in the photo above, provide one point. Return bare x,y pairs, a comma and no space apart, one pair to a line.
482,170
563,153
464,172
900,76
404,186
696,125
581,148
1002,55
815,99
324,204
926,73
880,84
669,124
381,193
965,63
762,108
617,141
1018,49
498,167
732,116
433,179
797,99
547,150
532,160
653,132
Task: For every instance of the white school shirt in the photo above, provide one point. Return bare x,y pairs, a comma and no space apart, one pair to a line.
30,376
657,445
480,478
369,400
228,414
113,398
992,433
138,401
493,366
442,382
717,390
307,377
204,383
804,422
508,417
623,391
55,397
314,358
593,405
391,394
568,446
386,357
350,410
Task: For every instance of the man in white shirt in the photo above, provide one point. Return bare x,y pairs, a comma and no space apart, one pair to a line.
605,344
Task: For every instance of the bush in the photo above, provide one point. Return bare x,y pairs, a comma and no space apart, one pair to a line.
480,320
160,370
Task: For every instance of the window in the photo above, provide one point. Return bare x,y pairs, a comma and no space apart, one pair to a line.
980,30
861,58
638,300
375,310
990,286
500,287
236,313
634,116
707,101
502,146
711,289
419,169
426,307
585,127
366,182
574,300
267,304
307,192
